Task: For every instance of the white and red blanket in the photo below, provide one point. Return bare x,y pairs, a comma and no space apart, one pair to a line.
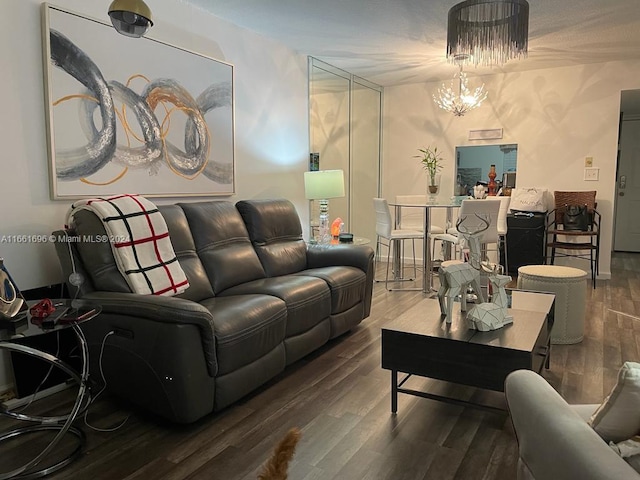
140,241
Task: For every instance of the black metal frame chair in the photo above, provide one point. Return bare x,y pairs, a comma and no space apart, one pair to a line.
574,243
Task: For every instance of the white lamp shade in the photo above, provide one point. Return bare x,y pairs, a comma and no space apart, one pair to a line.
323,184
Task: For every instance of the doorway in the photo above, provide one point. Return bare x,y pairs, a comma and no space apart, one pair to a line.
627,229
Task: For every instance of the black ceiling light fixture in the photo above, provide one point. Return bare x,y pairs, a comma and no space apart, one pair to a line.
130,17
488,32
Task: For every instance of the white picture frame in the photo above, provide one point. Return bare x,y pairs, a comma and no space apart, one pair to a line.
133,115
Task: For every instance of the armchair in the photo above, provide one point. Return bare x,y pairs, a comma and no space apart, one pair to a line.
554,440
583,244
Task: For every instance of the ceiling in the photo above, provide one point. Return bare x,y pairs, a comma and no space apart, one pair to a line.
391,42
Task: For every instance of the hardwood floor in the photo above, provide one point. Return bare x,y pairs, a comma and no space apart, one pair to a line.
339,397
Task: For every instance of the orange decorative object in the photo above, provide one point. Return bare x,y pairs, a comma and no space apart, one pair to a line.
335,227
492,181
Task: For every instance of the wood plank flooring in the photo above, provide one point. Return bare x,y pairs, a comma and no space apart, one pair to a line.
339,397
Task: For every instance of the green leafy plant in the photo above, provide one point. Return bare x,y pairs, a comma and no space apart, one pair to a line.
431,161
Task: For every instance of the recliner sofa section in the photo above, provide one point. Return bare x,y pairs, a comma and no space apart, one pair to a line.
259,299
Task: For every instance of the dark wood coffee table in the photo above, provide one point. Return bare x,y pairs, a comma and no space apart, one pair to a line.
419,342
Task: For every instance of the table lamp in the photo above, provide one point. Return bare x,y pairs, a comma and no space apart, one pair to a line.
322,185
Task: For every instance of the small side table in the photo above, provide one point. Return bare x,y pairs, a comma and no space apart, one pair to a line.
62,424
570,287
335,241
356,241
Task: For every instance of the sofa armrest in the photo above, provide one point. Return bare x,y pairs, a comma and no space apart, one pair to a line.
359,256
156,308
554,442
153,307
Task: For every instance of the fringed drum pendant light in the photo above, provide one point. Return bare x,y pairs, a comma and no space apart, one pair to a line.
488,32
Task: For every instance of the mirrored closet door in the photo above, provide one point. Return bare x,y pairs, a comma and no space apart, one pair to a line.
345,120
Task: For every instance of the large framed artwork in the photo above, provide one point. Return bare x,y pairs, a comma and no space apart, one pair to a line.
133,115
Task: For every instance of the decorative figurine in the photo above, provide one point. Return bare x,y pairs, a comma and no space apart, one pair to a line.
479,192
455,278
336,227
493,315
492,185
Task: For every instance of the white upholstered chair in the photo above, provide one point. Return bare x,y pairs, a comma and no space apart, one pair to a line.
502,229
385,231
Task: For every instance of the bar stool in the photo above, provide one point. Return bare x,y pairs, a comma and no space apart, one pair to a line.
385,231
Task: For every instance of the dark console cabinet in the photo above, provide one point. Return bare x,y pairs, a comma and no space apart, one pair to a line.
525,240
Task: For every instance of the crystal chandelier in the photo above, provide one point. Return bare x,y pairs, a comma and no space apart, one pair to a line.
461,99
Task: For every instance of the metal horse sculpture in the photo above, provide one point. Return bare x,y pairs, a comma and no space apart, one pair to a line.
493,315
455,278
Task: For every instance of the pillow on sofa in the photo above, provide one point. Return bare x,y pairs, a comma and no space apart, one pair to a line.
618,418
629,450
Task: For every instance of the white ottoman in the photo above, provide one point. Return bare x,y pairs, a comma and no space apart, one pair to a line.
570,286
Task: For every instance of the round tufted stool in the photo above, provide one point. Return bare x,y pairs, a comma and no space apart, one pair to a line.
570,286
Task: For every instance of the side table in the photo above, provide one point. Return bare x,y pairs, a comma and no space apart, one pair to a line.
77,312
569,284
335,241
356,241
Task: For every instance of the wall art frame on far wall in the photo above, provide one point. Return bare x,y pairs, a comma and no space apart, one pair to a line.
133,115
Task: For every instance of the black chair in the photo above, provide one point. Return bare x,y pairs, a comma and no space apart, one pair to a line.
574,243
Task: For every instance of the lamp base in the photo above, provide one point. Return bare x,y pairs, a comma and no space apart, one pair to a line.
324,230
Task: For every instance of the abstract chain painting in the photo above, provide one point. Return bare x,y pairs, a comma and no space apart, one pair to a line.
134,115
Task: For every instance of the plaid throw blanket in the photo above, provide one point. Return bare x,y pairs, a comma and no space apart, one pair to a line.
140,241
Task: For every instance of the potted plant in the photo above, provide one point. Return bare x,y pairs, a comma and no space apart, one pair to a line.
432,163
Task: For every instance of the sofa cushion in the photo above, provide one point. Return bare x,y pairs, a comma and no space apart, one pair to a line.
274,228
223,244
185,249
308,299
246,327
618,418
347,285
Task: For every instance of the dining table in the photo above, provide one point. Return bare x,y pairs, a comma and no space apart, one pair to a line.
427,261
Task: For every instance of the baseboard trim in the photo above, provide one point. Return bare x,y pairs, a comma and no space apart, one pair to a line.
19,402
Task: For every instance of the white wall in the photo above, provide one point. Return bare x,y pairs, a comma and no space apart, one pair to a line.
271,119
271,122
557,117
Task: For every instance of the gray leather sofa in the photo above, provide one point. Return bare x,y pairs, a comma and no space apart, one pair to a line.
554,440
259,300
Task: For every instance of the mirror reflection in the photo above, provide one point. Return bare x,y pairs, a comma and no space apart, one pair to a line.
474,162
